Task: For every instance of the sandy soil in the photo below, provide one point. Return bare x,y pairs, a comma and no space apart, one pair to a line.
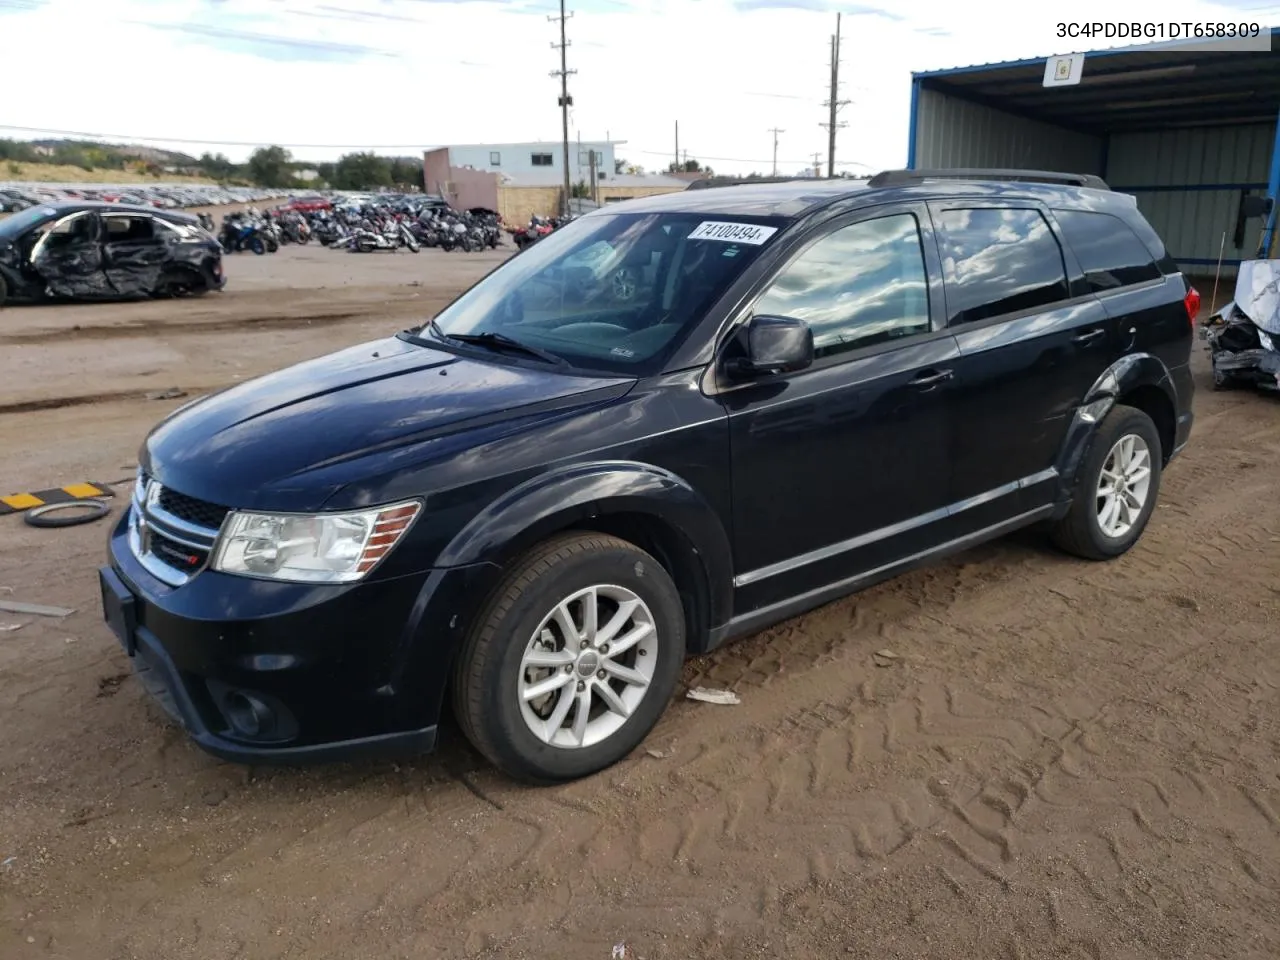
1063,760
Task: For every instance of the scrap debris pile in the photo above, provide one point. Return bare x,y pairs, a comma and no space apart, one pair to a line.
1243,336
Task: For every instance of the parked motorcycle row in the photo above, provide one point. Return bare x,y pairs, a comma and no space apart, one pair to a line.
537,228
373,227
259,232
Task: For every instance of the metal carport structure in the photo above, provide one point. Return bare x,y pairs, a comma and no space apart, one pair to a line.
1189,129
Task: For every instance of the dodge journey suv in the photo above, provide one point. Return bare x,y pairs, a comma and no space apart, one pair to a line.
672,423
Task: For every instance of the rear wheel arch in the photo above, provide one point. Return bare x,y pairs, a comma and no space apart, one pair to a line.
1155,403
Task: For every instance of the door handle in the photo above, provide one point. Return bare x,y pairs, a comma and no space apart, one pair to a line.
1086,338
930,379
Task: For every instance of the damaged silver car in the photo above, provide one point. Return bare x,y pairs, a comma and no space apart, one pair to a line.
102,251
1244,335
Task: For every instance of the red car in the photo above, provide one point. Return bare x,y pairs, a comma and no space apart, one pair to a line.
308,204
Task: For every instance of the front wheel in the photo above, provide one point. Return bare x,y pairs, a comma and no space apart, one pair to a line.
572,661
258,246
1116,489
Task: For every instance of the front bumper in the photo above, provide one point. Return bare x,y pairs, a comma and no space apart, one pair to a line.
265,672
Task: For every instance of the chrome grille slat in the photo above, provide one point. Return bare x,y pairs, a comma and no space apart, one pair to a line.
173,534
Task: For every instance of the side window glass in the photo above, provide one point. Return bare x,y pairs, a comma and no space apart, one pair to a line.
128,229
1110,253
861,285
998,261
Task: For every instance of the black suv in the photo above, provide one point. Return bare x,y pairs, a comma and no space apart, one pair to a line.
539,502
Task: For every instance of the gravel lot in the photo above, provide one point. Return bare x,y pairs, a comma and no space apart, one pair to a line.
1063,759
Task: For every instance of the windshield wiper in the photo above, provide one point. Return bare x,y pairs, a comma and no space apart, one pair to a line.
500,341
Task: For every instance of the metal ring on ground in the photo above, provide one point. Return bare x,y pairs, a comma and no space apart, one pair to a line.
87,511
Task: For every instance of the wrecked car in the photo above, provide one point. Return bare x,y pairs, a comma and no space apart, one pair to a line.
1244,336
101,251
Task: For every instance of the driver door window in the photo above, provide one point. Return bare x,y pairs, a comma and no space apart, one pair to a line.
861,285
75,230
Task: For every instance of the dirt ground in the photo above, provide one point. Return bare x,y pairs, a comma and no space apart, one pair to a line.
1062,759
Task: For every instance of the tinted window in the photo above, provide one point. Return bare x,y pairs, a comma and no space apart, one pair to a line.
999,261
1109,252
128,229
861,285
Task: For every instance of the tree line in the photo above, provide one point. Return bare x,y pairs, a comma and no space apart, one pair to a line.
271,166
276,167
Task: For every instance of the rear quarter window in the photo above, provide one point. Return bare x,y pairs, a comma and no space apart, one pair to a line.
998,261
1111,254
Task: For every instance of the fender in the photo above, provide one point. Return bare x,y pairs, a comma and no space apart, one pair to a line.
552,501
1128,373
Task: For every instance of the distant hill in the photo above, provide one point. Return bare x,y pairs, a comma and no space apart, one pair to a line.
132,151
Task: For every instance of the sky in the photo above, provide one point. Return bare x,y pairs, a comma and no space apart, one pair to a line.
325,77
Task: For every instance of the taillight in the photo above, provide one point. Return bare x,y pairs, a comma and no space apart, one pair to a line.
1192,302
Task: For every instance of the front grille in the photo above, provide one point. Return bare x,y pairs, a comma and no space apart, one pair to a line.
200,512
172,534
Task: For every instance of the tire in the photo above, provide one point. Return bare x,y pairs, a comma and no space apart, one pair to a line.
181,283
1081,532
80,511
257,246
491,668
4,292
366,246
413,246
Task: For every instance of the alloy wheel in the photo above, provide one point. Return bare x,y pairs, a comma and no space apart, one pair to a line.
1123,485
587,666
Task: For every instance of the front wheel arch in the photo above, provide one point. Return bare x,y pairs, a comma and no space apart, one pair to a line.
646,505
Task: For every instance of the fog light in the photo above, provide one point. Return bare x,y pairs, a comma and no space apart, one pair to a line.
248,715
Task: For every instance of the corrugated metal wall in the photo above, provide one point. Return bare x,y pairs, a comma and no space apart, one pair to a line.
1192,222
956,133
950,132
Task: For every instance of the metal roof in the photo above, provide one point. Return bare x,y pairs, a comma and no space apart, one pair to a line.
1148,87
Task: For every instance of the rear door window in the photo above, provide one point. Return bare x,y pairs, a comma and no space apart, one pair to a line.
128,228
1110,253
998,261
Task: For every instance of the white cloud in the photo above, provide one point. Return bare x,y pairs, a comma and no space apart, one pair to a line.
416,73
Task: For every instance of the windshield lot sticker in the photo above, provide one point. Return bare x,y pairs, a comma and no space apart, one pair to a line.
751,233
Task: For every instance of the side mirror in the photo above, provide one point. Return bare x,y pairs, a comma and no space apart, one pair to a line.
771,345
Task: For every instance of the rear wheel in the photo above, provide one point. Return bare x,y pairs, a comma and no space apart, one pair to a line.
573,659
1116,489
4,291
181,283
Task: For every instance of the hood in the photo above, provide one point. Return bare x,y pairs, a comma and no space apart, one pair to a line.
1258,293
259,445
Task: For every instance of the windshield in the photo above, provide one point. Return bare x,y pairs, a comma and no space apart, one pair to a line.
19,223
614,292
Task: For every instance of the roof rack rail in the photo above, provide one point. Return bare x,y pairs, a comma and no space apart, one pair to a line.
893,178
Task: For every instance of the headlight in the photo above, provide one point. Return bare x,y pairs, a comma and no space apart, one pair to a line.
320,548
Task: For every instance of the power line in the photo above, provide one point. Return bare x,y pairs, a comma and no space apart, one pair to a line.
138,138
131,138
700,156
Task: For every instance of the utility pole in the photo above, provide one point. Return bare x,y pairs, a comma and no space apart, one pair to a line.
775,131
566,101
817,166
676,159
833,102
595,196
